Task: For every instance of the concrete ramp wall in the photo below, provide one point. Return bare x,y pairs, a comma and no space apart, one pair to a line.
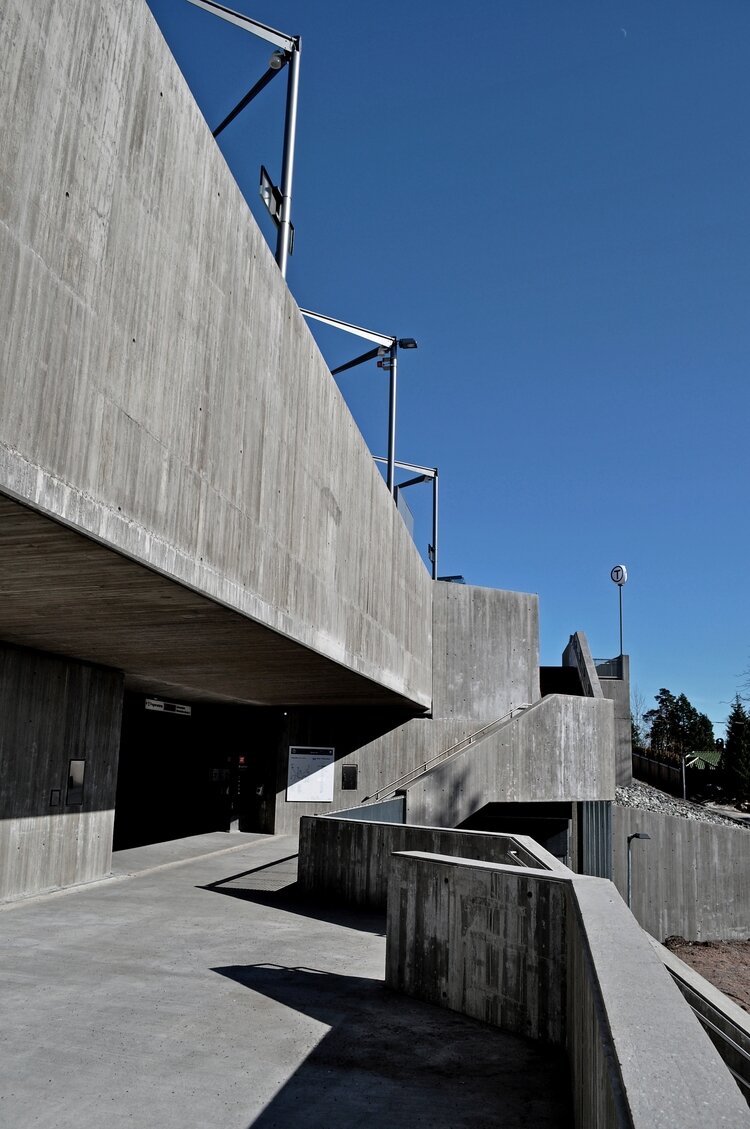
557,957
159,390
348,860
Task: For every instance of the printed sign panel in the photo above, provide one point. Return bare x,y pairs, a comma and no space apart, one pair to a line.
310,775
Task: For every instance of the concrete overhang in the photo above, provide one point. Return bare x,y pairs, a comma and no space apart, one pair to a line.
65,593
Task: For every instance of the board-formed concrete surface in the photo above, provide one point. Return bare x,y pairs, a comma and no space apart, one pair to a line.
182,996
159,389
691,879
561,749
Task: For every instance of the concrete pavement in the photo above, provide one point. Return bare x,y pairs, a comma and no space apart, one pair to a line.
206,992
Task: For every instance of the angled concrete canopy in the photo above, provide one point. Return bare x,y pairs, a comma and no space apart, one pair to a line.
64,593
161,393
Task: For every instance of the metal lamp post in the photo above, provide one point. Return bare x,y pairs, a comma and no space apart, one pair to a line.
288,48
635,835
386,351
619,576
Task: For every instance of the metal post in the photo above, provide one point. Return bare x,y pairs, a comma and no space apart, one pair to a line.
435,525
683,758
391,473
620,591
635,835
283,239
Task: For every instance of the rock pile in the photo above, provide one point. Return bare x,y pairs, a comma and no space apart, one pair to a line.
643,796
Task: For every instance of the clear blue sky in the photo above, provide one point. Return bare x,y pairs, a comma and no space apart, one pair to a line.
554,199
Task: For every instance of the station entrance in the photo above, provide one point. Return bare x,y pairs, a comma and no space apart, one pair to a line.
189,768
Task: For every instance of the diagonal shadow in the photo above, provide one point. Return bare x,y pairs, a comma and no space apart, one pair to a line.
256,887
246,873
390,1060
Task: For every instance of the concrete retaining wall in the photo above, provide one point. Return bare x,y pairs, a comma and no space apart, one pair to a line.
559,958
53,711
159,389
561,749
349,860
691,879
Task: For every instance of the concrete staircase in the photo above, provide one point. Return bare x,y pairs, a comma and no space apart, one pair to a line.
558,749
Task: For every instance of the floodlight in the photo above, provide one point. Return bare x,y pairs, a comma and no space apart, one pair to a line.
288,48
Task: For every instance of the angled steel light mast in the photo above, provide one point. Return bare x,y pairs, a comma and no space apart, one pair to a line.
427,474
278,201
386,349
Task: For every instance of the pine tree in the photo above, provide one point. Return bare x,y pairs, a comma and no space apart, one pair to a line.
676,726
735,761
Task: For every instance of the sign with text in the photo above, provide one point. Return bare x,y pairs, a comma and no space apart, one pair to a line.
159,706
310,774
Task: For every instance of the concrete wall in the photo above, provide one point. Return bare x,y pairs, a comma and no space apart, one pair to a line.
486,661
560,749
485,652
159,390
691,880
596,684
559,958
53,711
618,691
481,940
349,860
379,762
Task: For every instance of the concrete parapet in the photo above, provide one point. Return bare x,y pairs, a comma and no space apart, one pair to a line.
349,860
578,654
559,957
725,1022
692,879
560,749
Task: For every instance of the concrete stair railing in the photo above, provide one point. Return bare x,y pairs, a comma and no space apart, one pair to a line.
440,758
559,747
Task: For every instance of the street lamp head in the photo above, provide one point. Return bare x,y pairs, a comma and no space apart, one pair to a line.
407,343
638,835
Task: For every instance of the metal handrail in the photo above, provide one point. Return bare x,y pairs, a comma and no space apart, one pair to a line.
459,747
722,1037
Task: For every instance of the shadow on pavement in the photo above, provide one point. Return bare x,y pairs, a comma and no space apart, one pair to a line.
390,1060
275,884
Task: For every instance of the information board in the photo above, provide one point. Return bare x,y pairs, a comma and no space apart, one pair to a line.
310,774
